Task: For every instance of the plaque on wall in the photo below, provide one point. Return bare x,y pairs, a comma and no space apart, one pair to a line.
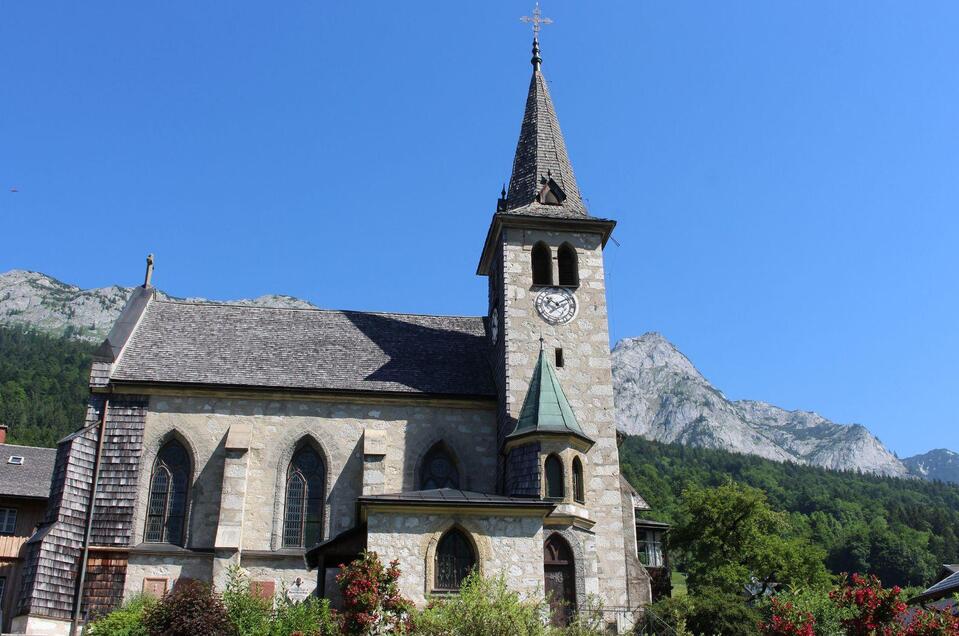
154,587
298,592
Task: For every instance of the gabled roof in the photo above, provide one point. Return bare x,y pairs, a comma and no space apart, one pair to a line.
541,161
186,343
946,587
32,477
546,409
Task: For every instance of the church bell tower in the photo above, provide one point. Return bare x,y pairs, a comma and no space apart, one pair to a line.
543,257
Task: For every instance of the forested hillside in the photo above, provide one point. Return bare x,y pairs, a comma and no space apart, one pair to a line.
43,385
899,529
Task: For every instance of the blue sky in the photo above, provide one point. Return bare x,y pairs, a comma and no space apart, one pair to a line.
784,174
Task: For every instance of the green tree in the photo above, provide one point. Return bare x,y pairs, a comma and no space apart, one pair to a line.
734,542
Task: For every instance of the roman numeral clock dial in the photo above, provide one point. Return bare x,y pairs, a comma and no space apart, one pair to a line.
556,305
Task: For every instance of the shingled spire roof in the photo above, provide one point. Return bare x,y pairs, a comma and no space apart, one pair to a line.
546,409
542,183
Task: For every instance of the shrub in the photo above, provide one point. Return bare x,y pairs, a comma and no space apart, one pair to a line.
826,616
127,620
312,617
788,619
372,603
483,606
249,613
190,609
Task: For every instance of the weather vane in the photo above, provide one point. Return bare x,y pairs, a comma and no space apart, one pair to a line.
537,20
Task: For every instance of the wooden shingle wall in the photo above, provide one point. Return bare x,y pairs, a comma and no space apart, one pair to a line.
53,557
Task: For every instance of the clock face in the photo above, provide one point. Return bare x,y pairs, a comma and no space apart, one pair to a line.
556,305
494,324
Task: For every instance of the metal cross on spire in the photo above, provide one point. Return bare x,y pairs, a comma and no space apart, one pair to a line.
537,20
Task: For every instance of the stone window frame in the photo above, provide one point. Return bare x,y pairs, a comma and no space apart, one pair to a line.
414,468
579,493
540,250
568,249
302,443
566,456
479,541
563,477
281,466
579,561
149,458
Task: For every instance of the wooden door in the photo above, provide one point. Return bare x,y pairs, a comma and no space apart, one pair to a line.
560,585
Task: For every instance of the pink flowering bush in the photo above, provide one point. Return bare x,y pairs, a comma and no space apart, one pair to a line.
372,603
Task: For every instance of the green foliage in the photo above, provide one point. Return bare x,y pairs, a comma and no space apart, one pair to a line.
827,616
372,603
483,606
124,621
43,385
312,617
253,615
710,611
733,541
249,613
190,609
899,529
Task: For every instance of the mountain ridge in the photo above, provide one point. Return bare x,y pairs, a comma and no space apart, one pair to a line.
660,394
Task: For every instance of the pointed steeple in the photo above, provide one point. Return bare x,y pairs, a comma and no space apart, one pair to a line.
542,183
546,409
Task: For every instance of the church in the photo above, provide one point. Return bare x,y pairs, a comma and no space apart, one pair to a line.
286,441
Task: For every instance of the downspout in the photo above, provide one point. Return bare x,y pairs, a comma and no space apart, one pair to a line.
82,575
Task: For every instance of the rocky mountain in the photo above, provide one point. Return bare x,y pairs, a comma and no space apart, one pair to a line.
660,395
43,302
939,464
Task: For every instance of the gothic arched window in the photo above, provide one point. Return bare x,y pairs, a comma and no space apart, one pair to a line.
169,487
455,559
303,516
438,470
554,477
542,260
579,490
568,267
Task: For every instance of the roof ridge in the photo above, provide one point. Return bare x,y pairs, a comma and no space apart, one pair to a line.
215,303
42,448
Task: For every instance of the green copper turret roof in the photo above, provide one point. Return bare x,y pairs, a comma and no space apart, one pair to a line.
546,409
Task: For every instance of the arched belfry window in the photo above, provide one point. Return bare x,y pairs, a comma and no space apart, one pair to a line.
455,559
542,264
554,477
568,266
169,490
579,490
303,515
438,469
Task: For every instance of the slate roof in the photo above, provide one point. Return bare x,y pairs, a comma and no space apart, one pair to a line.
454,497
541,155
307,349
32,478
946,587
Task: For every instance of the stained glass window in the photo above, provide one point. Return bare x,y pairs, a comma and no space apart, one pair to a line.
166,506
438,470
579,491
454,560
303,517
554,477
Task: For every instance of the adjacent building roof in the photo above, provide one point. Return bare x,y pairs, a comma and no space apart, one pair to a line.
541,158
182,342
546,409
946,587
30,478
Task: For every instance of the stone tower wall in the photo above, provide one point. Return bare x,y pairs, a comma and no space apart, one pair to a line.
585,377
